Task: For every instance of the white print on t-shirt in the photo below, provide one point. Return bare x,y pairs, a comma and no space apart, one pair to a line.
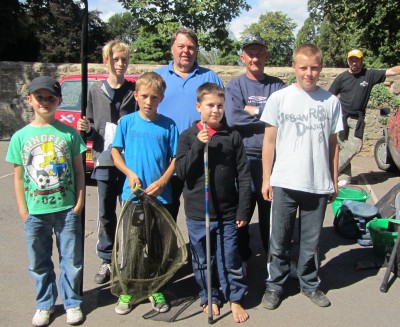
316,119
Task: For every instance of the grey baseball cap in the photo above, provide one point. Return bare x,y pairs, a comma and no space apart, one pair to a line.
254,40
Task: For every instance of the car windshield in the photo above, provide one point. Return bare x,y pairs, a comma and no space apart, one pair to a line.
71,94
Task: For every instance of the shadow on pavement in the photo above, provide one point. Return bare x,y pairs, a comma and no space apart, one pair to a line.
350,267
376,177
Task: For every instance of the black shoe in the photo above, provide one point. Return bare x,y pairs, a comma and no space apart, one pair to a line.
103,275
271,299
318,297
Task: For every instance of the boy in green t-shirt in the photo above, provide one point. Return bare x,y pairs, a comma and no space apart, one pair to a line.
49,188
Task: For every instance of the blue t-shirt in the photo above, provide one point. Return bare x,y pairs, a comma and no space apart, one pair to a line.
149,147
180,98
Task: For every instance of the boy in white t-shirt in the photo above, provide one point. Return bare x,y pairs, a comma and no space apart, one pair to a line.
302,121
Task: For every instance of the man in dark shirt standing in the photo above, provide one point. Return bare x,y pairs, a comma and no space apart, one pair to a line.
245,98
353,87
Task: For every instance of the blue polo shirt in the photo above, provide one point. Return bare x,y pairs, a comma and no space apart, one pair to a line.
180,98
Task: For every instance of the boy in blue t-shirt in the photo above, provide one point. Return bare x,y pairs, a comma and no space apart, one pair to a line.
49,188
149,141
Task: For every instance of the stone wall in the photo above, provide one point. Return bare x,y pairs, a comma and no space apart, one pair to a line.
16,76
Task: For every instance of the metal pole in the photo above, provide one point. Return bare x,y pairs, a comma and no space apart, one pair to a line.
208,245
84,70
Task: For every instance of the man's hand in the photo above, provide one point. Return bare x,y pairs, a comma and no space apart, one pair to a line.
241,223
252,110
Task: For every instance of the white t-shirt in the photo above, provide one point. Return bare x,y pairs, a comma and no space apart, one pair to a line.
304,121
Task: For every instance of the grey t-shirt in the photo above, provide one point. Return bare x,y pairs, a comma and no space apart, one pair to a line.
304,120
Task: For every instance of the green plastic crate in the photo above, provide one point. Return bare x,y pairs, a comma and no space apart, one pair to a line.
346,193
384,233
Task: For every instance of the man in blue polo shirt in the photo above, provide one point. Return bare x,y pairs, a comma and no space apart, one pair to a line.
183,76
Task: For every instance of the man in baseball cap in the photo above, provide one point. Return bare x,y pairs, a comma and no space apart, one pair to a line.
355,53
354,87
253,40
47,83
245,98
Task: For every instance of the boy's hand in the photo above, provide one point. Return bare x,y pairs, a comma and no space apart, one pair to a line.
266,190
203,136
155,189
83,125
24,215
78,211
333,196
241,223
133,180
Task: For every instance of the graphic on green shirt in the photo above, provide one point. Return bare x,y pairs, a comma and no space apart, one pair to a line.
46,165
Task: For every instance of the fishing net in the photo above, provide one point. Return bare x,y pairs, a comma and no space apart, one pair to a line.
148,248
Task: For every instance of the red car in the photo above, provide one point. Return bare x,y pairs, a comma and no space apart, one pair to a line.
387,148
70,109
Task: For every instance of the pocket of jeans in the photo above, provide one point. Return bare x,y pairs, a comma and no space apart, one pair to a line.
28,219
73,213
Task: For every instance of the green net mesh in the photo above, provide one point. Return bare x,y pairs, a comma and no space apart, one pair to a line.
148,248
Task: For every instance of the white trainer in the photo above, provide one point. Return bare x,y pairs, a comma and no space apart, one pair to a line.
42,317
74,316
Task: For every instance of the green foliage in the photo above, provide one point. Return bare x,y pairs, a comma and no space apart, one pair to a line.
227,54
57,31
307,33
153,47
18,40
124,27
291,79
97,37
48,31
381,98
207,18
365,24
276,29
334,45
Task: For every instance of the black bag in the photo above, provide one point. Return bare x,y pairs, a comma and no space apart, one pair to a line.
346,225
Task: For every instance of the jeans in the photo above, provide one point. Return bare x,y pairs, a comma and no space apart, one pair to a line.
349,148
108,193
283,215
263,206
225,259
67,227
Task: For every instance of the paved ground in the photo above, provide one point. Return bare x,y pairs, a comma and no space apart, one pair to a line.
355,296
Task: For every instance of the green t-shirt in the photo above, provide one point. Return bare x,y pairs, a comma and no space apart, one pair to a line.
47,153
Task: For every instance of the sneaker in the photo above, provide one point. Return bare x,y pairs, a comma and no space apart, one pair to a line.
159,302
103,275
74,316
124,305
318,297
42,317
271,299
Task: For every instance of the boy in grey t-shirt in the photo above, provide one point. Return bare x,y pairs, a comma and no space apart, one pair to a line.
302,121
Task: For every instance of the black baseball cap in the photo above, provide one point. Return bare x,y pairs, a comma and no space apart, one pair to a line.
254,40
47,83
